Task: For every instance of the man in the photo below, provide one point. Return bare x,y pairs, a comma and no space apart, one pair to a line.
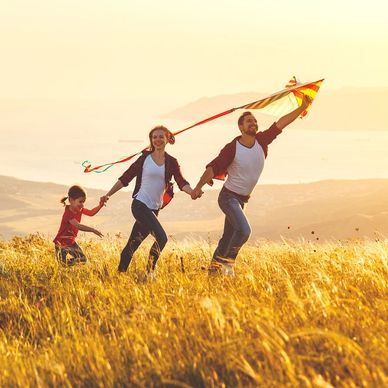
243,161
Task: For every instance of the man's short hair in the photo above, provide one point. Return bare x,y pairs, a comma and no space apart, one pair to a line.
241,118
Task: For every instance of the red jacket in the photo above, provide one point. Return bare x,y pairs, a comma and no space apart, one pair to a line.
172,168
221,163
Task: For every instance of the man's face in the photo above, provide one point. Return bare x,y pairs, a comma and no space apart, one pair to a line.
249,126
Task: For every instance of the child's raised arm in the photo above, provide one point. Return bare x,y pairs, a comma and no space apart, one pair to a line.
94,211
85,228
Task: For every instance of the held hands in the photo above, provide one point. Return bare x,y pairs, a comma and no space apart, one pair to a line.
196,193
103,200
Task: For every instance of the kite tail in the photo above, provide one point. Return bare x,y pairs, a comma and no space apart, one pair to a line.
104,167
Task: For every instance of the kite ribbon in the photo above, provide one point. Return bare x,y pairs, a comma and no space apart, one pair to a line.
276,103
104,167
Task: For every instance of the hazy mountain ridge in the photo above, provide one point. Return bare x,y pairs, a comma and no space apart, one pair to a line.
343,109
329,209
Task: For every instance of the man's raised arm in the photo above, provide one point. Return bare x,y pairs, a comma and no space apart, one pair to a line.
290,117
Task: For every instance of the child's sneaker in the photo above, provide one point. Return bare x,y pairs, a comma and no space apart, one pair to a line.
151,276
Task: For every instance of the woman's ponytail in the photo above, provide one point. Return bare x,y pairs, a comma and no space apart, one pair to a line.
170,137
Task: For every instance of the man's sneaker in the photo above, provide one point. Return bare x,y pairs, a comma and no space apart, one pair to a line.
221,266
228,270
213,271
214,267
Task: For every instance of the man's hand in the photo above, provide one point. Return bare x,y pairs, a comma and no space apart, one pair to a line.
307,100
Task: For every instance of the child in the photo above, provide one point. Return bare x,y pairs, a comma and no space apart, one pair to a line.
65,239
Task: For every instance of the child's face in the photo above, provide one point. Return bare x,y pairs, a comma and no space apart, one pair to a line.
77,204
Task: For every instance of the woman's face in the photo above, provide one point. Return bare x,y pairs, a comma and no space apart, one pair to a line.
158,139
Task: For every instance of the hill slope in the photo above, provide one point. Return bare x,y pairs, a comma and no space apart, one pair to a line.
330,209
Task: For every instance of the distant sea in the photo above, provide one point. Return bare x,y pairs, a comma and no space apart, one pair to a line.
296,156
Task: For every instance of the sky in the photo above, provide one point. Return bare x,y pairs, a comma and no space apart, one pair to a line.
88,79
180,51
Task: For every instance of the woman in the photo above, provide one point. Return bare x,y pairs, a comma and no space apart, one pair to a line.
153,190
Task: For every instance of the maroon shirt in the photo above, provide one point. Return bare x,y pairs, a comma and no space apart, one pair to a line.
221,163
172,169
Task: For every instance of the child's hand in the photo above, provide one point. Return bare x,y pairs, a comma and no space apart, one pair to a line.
104,200
98,233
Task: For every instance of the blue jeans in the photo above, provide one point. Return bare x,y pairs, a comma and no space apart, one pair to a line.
236,228
146,223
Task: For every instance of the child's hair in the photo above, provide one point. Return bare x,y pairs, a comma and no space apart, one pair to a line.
170,137
74,193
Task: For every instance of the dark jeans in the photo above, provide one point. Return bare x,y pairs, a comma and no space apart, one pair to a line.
74,252
146,223
236,228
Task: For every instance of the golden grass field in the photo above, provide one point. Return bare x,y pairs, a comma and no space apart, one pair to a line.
296,314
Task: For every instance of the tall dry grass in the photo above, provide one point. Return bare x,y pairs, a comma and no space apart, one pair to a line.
296,314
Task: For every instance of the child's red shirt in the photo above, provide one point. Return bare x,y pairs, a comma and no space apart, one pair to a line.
67,232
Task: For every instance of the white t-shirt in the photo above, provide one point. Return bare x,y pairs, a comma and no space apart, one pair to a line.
152,184
245,170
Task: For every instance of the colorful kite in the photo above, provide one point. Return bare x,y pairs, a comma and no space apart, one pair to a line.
276,104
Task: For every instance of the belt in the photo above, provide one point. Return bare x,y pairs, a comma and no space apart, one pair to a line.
243,198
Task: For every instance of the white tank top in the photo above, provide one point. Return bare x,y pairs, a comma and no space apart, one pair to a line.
152,184
245,170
